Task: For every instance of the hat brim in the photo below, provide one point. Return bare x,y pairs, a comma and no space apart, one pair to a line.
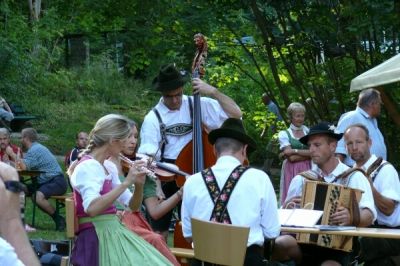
229,133
336,136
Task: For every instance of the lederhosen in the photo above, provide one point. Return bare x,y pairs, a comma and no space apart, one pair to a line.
254,254
169,188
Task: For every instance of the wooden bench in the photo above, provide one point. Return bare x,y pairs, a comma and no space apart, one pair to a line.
20,117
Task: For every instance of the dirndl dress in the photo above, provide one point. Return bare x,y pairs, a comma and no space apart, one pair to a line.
291,169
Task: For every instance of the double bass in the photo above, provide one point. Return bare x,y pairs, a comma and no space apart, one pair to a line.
198,153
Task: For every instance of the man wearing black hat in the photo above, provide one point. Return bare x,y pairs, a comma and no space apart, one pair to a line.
246,194
322,141
168,127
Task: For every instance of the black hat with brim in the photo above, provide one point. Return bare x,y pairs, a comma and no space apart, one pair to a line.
169,78
233,128
324,128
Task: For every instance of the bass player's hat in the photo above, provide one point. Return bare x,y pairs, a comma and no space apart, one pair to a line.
170,78
233,128
324,128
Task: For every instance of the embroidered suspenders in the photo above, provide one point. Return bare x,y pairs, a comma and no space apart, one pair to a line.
177,129
221,197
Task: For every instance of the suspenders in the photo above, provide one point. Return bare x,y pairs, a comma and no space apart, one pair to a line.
163,128
221,197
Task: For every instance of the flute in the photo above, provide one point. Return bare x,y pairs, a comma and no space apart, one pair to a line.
149,172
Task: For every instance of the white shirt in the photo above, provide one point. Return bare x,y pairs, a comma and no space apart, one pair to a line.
387,183
88,179
357,180
7,254
360,116
252,203
212,116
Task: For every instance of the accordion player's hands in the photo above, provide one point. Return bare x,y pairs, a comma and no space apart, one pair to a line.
340,217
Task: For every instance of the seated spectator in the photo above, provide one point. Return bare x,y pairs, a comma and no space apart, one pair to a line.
9,153
15,248
51,181
5,111
81,143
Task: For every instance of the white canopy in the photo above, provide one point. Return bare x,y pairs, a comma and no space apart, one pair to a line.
384,73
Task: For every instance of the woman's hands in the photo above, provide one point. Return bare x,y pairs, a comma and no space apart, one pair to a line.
137,173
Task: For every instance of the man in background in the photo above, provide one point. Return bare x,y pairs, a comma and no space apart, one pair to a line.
367,111
51,181
81,141
6,114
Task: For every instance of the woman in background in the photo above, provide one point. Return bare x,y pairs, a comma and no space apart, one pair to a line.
102,239
296,155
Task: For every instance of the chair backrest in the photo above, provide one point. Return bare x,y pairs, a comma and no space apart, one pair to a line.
218,243
70,217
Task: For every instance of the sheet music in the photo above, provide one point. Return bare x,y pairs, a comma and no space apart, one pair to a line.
299,217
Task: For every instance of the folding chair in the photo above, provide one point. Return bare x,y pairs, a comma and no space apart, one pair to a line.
218,243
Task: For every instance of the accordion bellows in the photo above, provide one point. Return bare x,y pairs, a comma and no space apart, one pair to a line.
328,197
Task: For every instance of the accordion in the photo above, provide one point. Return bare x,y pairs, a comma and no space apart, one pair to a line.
328,197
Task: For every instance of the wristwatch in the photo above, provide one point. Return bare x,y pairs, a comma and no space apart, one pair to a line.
15,186
296,151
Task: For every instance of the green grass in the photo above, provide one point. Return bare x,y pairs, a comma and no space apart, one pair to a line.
44,224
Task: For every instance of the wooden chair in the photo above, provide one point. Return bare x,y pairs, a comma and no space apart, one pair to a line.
218,243
60,201
71,223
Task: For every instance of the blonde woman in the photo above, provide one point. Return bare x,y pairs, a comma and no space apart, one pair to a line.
296,154
102,239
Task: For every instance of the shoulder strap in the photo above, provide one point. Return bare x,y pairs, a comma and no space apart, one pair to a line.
164,140
374,166
375,174
344,177
221,198
288,133
311,175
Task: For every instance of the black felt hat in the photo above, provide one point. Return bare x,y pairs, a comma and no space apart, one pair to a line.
322,128
169,78
233,128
